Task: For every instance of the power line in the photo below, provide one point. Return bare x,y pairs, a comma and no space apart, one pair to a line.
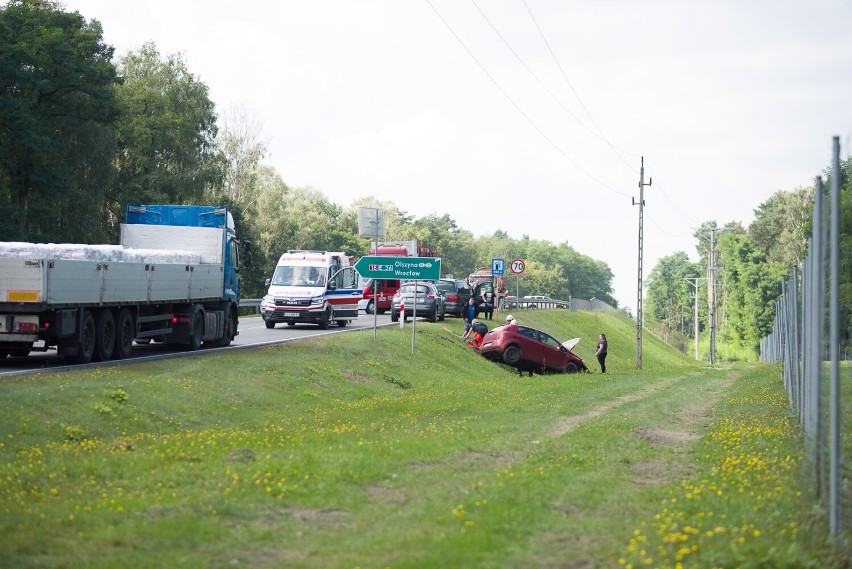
571,86
518,108
533,74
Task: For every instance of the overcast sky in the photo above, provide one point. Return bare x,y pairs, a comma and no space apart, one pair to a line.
528,116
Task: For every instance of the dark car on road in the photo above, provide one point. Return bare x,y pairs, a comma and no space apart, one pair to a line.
456,294
429,302
528,349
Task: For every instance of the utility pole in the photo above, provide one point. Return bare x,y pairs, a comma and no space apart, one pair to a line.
641,204
694,282
711,265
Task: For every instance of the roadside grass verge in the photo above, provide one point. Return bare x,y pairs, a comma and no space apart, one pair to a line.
347,451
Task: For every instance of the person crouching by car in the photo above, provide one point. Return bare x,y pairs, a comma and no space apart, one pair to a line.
478,330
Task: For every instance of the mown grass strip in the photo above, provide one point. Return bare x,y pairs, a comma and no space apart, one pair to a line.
350,452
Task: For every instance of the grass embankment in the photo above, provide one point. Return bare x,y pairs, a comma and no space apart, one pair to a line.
352,452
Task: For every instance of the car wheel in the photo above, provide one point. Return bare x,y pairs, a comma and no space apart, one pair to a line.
433,316
512,355
370,307
394,316
570,367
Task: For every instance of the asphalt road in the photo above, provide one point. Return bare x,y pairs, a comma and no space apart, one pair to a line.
253,333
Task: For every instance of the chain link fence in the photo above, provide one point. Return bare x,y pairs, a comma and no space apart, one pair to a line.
810,339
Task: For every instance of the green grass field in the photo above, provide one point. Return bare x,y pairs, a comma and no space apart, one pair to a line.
352,452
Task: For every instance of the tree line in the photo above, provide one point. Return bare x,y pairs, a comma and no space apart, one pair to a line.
750,263
82,134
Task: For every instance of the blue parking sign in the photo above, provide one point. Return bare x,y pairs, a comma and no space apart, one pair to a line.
498,266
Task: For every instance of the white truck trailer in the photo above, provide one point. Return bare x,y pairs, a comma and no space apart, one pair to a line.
174,278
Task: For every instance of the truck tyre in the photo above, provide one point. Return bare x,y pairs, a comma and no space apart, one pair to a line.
104,335
270,324
229,330
196,331
124,333
85,347
326,317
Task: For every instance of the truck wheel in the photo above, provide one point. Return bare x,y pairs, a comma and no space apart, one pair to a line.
85,347
326,317
104,335
196,333
124,333
270,324
228,331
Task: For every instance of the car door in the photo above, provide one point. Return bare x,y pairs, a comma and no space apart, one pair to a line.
554,357
531,348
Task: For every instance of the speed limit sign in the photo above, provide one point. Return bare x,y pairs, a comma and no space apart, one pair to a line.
518,266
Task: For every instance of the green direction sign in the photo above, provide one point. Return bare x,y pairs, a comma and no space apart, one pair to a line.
399,268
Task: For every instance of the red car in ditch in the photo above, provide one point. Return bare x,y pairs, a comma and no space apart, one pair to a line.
528,349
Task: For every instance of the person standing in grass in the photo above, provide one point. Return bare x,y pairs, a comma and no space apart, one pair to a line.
469,314
600,352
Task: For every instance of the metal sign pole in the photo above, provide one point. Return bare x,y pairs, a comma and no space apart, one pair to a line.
375,287
413,318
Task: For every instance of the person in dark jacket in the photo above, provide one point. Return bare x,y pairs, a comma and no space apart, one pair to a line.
600,352
469,313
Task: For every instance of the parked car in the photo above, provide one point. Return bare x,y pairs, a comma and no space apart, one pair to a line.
430,301
456,294
528,349
535,299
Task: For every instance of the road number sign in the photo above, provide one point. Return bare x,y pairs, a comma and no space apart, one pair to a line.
518,266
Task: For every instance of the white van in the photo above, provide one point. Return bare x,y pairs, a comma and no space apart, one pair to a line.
317,287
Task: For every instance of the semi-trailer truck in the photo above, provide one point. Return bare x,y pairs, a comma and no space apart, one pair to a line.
174,278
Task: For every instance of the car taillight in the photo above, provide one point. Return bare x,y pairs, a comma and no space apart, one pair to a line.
430,296
453,298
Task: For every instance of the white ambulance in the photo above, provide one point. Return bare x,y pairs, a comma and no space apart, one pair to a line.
318,287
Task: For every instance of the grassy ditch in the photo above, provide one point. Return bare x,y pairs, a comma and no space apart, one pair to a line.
352,452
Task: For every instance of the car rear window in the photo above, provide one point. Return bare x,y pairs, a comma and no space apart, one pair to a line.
446,287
